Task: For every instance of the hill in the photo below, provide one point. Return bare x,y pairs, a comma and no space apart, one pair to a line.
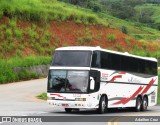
32,29
46,10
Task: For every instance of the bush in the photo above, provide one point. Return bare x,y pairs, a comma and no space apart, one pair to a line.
18,33
111,37
124,30
128,41
12,23
42,96
119,48
8,34
26,75
88,38
7,73
80,40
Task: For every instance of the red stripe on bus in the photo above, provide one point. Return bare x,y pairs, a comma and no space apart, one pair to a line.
115,77
56,95
148,86
122,72
125,100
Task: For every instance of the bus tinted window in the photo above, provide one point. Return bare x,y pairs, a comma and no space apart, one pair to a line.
96,59
123,63
115,61
150,68
110,61
105,61
72,58
129,64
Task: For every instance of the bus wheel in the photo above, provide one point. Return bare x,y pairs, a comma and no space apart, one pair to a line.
102,105
138,104
144,104
68,110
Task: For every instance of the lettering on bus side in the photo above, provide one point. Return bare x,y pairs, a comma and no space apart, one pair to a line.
133,80
104,76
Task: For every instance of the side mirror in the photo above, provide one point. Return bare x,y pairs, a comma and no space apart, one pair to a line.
92,83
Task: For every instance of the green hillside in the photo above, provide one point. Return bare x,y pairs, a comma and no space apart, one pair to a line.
32,29
46,10
155,10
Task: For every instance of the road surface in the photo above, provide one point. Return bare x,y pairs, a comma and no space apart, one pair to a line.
19,99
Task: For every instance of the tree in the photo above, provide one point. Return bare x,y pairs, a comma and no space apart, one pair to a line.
144,16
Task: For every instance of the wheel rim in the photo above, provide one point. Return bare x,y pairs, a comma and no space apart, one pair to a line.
145,104
138,104
103,105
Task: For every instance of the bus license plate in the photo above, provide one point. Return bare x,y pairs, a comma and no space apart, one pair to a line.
65,105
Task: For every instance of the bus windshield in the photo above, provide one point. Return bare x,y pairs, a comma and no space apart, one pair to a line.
72,58
67,81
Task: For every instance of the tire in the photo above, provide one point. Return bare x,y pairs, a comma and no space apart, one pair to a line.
76,109
68,110
138,104
144,104
102,105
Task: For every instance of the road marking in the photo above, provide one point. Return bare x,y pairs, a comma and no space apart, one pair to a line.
112,120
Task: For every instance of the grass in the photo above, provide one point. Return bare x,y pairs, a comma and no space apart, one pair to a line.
42,96
42,11
128,41
111,37
18,33
7,68
14,40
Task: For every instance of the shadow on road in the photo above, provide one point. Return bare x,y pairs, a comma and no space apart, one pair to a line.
93,111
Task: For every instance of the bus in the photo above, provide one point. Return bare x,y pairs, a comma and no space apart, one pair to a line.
94,78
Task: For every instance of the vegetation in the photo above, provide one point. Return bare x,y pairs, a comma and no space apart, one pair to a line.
42,11
140,11
154,14
9,74
15,40
26,29
42,96
111,37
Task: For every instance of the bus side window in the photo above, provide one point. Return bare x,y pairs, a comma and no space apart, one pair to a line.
96,59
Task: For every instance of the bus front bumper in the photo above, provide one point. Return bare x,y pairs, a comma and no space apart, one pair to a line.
72,104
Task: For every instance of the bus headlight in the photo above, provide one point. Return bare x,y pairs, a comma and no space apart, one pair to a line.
50,98
80,99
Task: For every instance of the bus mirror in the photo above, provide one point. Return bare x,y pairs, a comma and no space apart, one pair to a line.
92,83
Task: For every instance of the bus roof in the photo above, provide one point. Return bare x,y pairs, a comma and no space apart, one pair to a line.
105,50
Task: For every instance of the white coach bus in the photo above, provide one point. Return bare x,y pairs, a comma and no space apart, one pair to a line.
92,77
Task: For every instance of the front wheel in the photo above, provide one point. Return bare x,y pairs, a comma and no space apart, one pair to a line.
102,105
68,110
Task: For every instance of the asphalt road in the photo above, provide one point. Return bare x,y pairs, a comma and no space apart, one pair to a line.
19,99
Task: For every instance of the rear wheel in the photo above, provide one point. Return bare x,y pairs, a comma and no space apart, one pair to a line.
138,104
144,104
102,105
68,110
